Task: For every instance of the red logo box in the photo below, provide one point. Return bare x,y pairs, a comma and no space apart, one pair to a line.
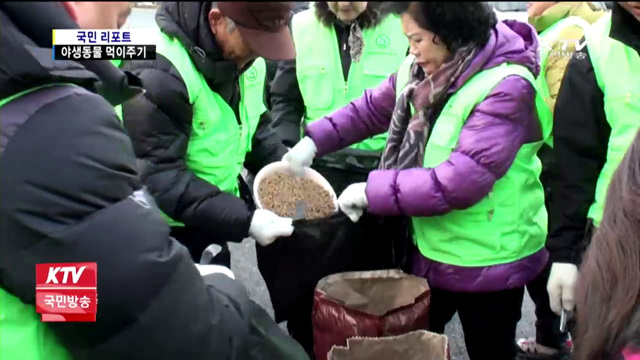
67,292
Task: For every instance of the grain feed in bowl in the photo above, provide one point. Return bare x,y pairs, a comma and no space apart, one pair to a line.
280,192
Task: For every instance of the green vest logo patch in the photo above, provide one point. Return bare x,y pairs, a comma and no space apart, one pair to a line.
251,74
383,41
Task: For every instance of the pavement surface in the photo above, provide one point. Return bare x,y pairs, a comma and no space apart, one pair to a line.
243,264
246,270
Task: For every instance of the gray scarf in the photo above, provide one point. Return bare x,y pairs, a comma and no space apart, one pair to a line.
408,132
355,41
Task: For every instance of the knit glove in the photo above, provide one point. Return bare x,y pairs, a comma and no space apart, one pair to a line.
266,227
561,287
353,201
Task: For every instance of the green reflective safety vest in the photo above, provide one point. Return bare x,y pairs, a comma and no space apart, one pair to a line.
510,223
617,71
219,141
319,68
23,336
547,40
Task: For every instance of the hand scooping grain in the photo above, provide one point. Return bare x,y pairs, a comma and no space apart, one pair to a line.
280,192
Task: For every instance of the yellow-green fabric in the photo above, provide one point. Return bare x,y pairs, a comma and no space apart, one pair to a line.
561,46
617,71
217,144
492,231
322,83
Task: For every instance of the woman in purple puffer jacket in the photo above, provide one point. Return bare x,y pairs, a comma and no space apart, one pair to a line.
465,124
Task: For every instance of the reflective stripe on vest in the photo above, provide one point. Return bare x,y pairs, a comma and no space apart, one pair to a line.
24,335
319,67
510,223
217,144
617,70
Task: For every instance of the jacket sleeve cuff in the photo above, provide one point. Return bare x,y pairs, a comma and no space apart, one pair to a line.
381,194
565,256
324,136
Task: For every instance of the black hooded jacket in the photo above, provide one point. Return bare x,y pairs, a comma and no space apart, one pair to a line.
159,124
70,193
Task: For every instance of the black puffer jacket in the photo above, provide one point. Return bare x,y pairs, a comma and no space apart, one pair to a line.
159,124
70,193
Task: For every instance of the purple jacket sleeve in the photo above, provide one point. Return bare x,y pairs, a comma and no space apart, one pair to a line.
364,117
488,143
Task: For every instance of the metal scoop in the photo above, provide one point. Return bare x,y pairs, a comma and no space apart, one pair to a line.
300,210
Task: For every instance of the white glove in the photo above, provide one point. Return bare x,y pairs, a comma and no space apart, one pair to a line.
561,287
266,227
301,155
353,201
214,269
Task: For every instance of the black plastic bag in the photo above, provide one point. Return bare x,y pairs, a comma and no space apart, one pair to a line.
292,266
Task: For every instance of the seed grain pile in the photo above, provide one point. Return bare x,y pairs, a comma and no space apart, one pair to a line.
280,191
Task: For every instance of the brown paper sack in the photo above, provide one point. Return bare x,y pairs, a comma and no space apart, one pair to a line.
369,304
373,292
416,345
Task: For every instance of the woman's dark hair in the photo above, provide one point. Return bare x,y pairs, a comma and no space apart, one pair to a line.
457,24
369,18
608,290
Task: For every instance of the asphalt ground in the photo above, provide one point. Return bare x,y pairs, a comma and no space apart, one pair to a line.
244,266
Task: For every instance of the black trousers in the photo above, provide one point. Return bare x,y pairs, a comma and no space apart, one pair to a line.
488,320
547,322
196,242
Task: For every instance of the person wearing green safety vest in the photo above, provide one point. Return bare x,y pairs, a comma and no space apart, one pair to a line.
560,26
465,123
596,117
342,49
203,118
71,193
24,335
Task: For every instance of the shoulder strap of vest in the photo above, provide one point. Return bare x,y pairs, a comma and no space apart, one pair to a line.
50,93
300,23
173,50
16,109
488,79
599,30
403,74
597,37
479,86
557,28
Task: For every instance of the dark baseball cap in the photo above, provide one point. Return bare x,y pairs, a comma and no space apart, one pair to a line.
263,26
